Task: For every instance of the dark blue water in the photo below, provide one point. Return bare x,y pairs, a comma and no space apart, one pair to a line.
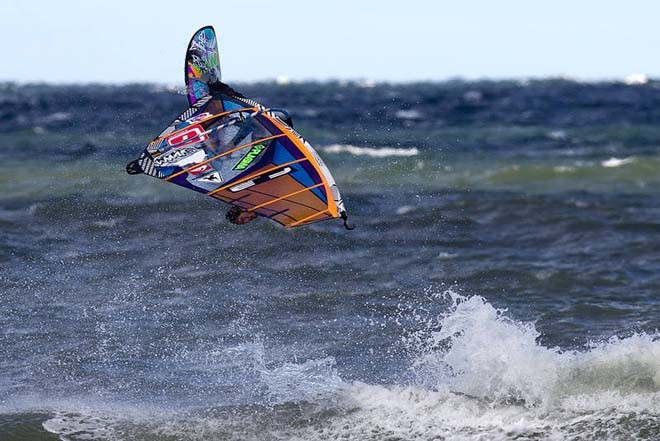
503,281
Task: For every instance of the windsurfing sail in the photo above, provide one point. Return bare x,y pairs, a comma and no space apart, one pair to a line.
237,151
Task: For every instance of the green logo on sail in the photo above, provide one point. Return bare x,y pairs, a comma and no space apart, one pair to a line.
249,157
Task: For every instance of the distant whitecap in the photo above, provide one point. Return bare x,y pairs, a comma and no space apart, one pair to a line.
557,135
564,169
636,79
405,209
282,80
381,152
411,114
367,83
473,96
617,162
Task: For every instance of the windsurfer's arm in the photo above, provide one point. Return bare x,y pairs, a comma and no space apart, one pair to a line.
238,216
289,121
220,87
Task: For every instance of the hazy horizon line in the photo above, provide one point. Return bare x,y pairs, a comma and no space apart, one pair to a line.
631,79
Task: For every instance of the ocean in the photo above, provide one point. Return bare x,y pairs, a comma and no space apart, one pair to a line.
502,281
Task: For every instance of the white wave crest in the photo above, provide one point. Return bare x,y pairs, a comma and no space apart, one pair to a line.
617,162
480,352
482,375
478,374
380,152
636,79
410,114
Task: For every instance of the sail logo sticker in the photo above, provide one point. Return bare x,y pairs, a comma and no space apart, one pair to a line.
213,178
181,156
259,179
190,135
199,117
197,171
249,157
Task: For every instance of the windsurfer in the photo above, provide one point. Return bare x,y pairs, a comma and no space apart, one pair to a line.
222,88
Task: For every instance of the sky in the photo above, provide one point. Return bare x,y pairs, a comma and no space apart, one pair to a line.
122,41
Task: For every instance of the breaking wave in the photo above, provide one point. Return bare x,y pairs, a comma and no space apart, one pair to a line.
476,372
478,351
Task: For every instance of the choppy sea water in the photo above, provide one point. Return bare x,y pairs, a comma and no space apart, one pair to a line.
503,281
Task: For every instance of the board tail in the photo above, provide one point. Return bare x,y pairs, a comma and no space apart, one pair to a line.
202,64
